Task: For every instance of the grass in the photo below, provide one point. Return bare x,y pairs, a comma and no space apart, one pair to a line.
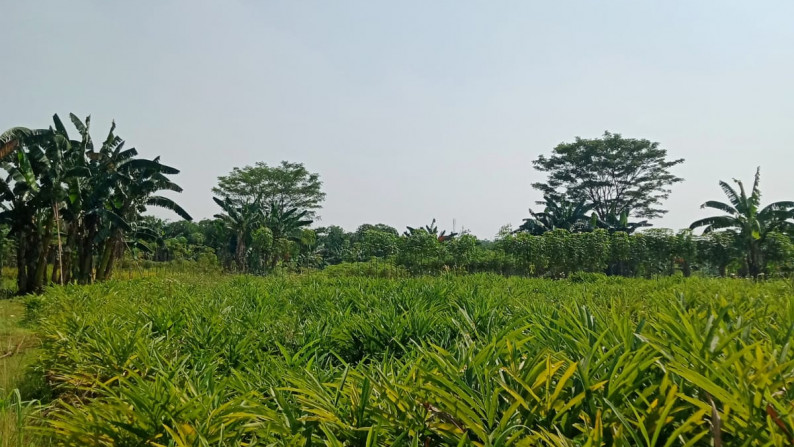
18,345
453,360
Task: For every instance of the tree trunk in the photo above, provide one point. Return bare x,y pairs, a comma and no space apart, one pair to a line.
754,262
69,254
239,252
109,253
22,271
112,261
44,243
31,260
85,272
85,268
104,259
56,269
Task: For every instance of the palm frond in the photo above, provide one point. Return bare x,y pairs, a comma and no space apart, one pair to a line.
166,203
785,205
720,206
152,165
59,127
715,223
755,196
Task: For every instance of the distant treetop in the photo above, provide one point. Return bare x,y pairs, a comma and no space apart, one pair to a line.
616,175
288,185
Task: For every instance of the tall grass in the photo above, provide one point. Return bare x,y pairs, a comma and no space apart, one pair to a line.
454,360
19,390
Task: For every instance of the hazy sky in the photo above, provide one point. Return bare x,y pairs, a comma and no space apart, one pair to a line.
411,110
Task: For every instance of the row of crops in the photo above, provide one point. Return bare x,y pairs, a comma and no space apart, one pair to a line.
452,360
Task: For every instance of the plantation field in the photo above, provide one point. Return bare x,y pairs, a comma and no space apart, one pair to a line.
451,360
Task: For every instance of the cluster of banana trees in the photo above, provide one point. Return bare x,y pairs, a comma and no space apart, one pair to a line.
72,204
562,214
262,234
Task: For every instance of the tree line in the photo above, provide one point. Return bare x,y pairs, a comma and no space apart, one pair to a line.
71,211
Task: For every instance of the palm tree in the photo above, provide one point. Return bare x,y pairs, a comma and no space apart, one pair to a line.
562,214
747,220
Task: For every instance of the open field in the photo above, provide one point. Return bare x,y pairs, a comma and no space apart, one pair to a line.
461,360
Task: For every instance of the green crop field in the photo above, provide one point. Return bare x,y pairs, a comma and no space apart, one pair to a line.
451,360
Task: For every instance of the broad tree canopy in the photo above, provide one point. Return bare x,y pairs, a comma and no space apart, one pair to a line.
286,186
616,175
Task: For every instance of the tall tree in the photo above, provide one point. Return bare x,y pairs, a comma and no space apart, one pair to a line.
747,220
286,186
612,173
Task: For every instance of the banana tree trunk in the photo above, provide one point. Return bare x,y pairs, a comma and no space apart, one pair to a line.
68,254
109,253
44,242
754,261
22,271
31,260
85,270
104,259
239,252
56,269
118,252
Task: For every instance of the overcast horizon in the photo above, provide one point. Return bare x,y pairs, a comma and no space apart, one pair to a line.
416,110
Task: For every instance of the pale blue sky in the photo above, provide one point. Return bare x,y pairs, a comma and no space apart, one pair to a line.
412,110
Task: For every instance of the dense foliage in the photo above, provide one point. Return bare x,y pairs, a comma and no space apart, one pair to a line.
84,200
457,360
285,186
615,175
750,224
555,254
71,211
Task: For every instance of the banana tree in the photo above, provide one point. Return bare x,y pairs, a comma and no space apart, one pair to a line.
240,220
433,230
747,220
139,181
614,223
562,214
285,225
29,197
57,188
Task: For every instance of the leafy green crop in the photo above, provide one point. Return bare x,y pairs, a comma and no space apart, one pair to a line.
474,360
